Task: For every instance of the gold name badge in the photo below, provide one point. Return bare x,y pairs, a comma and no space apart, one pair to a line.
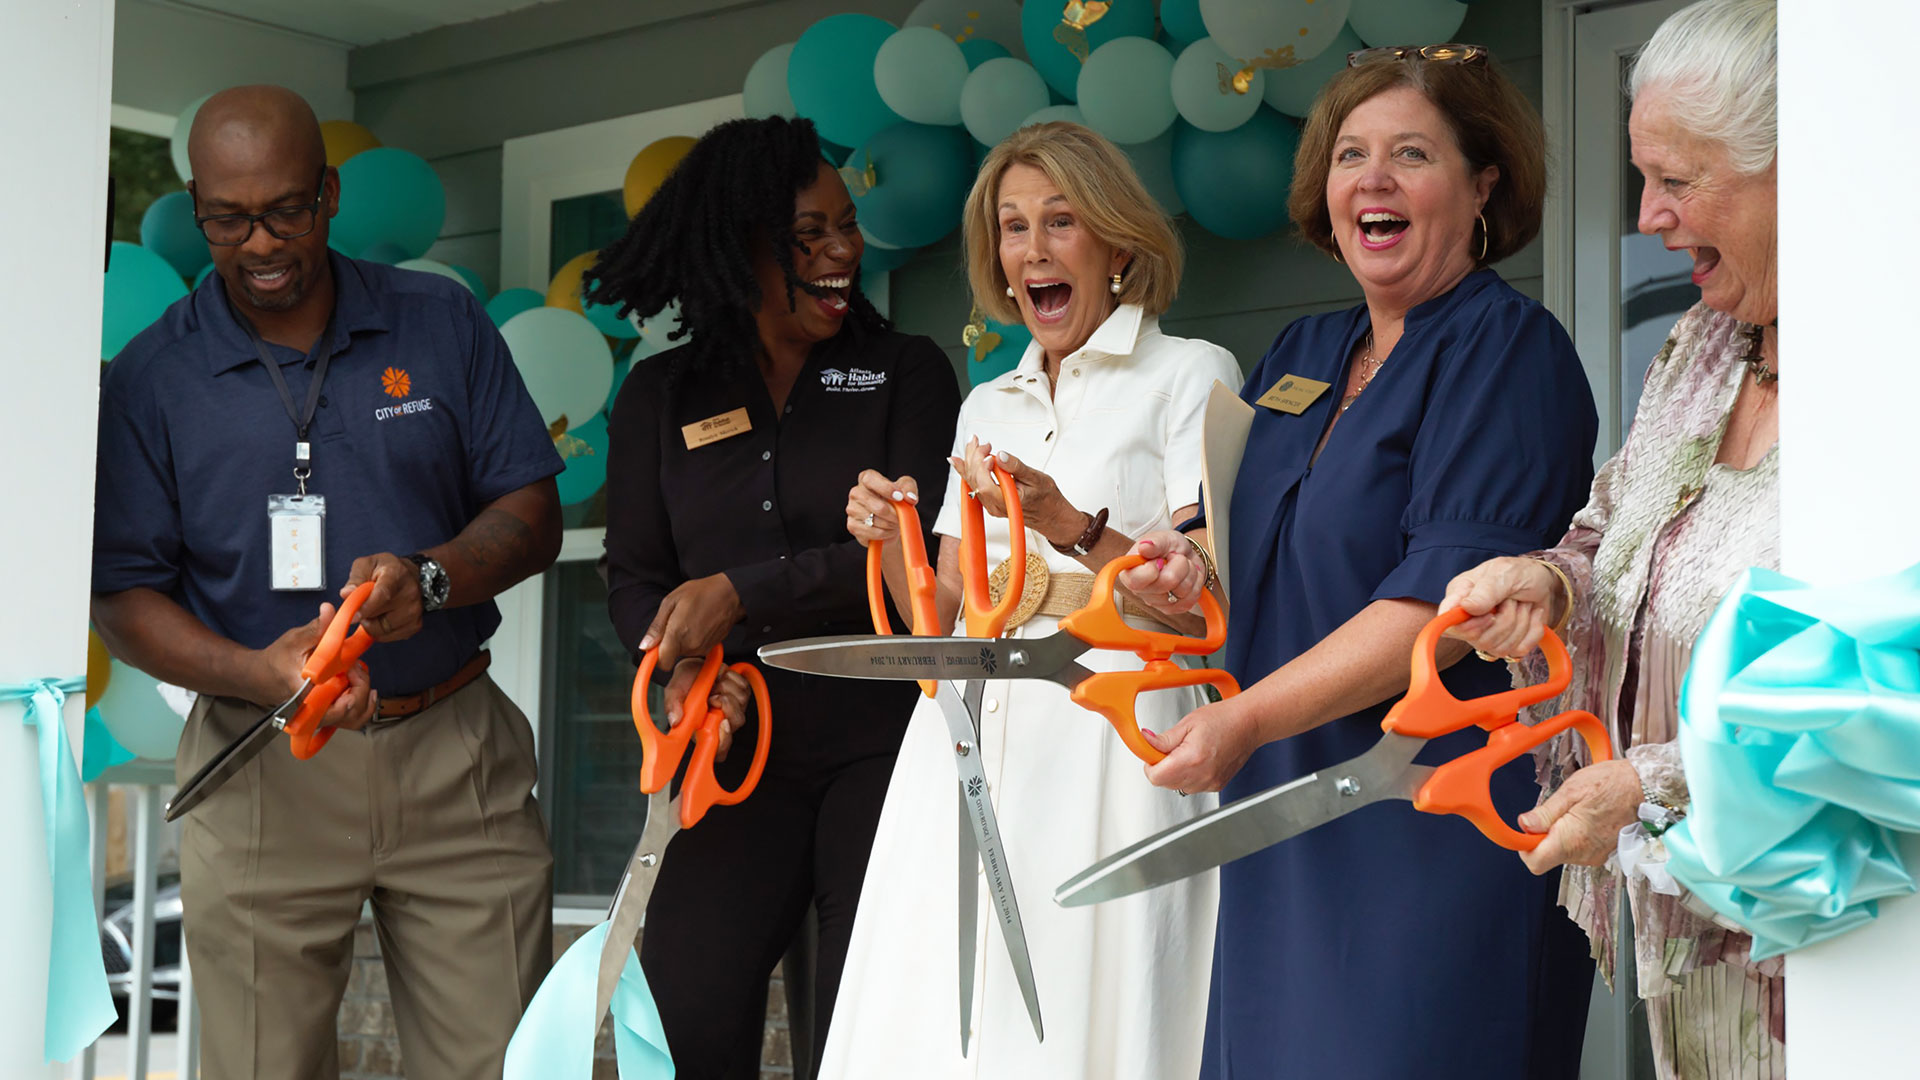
715,428
1293,393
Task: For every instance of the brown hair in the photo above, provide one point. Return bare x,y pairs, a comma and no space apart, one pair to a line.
1493,123
1099,181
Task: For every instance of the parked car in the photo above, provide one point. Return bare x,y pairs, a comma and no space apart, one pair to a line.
116,946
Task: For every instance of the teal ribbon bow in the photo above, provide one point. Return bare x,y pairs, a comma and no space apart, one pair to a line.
1800,731
79,1006
554,1039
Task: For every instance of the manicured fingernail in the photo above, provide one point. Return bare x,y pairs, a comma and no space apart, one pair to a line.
913,497
1149,733
1158,563
646,643
897,496
1530,822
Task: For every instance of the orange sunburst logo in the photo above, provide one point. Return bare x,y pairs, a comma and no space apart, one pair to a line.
395,382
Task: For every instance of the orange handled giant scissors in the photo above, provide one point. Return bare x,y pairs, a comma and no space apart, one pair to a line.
1428,711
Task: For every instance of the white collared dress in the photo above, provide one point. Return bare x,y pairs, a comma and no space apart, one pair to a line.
1122,985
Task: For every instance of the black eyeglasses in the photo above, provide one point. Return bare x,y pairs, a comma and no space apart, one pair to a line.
284,223
1450,53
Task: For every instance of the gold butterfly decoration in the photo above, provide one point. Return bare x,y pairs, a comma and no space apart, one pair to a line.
860,181
558,429
976,337
966,31
1241,82
1075,18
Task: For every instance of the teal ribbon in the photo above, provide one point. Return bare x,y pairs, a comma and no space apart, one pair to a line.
1800,731
79,1006
554,1038
99,750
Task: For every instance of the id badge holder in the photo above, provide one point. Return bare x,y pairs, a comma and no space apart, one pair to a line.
299,530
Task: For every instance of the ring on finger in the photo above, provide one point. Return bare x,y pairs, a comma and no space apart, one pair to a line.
1489,657
869,521
1171,598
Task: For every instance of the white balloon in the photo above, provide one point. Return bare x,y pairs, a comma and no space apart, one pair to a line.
564,361
1406,22
1124,92
654,331
181,128
919,72
1292,90
1297,29
998,95
1204,93
765,92
430,266
140,719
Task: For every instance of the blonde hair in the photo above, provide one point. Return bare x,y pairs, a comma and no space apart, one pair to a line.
1715,62
1105,192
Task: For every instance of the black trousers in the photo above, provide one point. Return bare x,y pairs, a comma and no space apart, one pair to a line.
733,890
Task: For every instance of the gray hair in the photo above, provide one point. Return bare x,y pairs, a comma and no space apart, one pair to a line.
1716,63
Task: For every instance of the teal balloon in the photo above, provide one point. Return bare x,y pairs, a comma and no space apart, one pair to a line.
1406,22
563,360
924,173
998,96
1181,20
140,285
390,254
835,154
1303,28
1198,88
167,229
980,50
473,279
765,92
202,275
1057,64
830,77
1153,164
137,716
1235,182
1056,114
884,260
1124,91
1005,355
584,451
99,750
606,320
391,196
969,22
439,269
919,72
512,302
1293,90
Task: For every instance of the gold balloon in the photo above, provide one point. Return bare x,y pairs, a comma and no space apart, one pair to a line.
564,290
650,168
99,668
344,138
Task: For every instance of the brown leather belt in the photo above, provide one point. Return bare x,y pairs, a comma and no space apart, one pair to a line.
397,708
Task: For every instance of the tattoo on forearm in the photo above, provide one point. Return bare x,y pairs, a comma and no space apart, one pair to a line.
495,541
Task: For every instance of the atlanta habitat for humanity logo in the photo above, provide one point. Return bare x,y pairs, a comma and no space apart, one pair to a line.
852,380
397,384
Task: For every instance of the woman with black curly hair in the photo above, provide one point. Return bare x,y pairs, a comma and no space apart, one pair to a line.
729,459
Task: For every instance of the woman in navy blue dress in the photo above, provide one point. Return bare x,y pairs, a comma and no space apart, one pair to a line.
1452,423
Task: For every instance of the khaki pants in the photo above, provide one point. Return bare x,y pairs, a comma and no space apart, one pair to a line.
432,818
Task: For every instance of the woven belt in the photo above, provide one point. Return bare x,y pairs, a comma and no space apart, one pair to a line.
1048,593
397,708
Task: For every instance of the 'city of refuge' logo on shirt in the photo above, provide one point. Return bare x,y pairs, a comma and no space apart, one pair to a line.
852,380
396,383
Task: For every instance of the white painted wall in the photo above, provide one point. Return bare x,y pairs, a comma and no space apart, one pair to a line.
1849,501
52,233
167,56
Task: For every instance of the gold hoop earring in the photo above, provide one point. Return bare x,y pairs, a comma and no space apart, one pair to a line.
1336,254
1485,235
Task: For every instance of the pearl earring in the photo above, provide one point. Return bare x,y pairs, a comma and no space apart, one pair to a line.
1009,292
1116,285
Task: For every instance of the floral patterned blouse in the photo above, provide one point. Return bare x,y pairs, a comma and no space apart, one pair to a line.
1660,541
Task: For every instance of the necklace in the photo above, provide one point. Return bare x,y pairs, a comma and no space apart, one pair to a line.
1369,367
1757,366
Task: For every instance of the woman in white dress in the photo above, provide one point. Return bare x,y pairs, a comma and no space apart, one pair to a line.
1099,426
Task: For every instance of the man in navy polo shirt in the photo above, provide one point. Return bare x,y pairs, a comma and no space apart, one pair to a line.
437,480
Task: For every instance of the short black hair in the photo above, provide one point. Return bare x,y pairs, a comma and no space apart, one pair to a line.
693,240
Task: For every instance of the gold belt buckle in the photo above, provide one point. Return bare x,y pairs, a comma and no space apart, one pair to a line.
1031,595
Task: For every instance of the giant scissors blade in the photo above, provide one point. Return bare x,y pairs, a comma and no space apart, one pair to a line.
1253,823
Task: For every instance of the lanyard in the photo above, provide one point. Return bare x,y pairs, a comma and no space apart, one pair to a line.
302,420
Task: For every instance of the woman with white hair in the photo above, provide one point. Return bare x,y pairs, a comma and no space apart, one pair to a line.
1688,503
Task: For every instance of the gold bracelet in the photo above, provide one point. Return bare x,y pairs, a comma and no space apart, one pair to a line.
1206,560
1565,583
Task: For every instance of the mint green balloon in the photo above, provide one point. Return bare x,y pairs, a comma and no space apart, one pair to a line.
830,77
512,302
1298,29
1203,92
140,285
980,50
437,268
919,72
1406,22
971,22
1052,114
1292,90
168,229
1040,20
998,96
182,126
765,92
1181,20
1125,91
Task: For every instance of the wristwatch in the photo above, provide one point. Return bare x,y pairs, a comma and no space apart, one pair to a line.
1096,525
434,585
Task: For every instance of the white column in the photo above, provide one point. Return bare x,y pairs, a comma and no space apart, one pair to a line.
1850,501
55,73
